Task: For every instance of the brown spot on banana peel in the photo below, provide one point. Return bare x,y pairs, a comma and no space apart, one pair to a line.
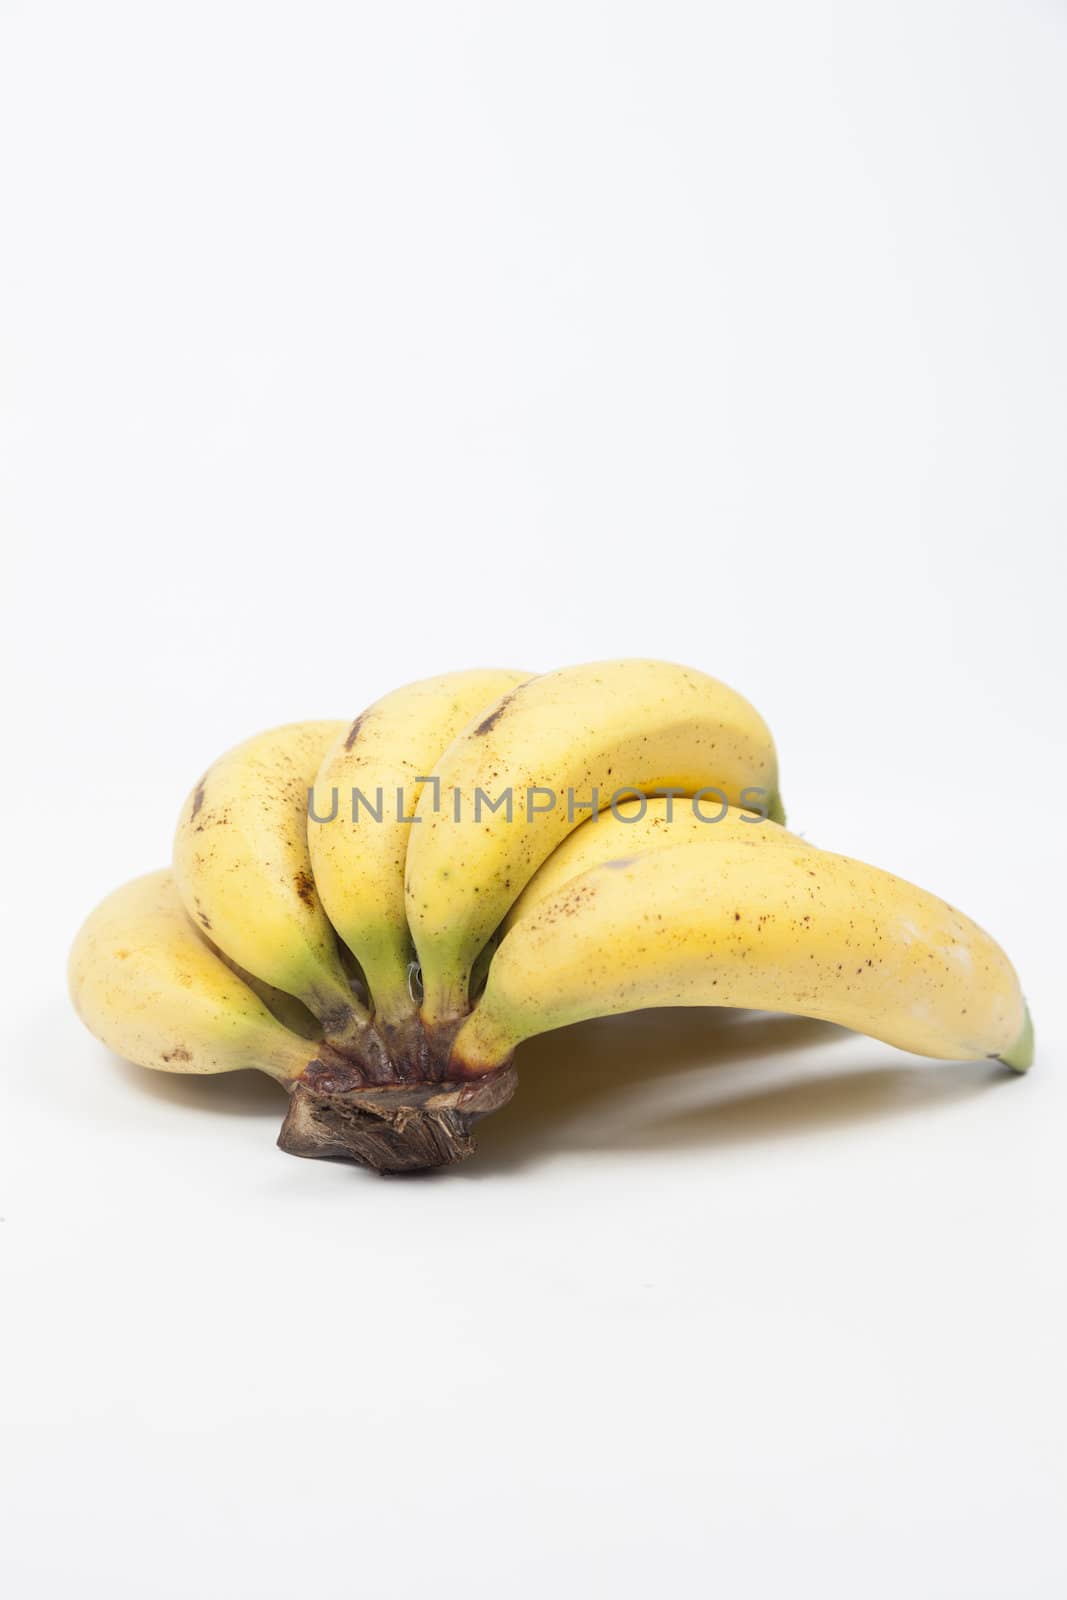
497,712
304,885
353,732
198,799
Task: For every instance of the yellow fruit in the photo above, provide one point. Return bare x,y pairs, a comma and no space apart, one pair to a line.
798,931
635,826
243,870
144,981
357,856
555,744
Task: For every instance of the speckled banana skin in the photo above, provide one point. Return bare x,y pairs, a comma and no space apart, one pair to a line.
359,866
798,931
639,724
635,826
145,983
242,868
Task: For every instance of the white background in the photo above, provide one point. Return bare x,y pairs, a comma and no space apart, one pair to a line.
346,343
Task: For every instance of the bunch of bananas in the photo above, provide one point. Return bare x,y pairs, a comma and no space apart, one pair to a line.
378,913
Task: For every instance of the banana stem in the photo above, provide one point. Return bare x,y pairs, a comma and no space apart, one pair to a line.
391,1128
355,1038
394,987
479,1045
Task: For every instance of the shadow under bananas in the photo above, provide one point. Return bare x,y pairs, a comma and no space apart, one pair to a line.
237,1094
687,1078
653,1081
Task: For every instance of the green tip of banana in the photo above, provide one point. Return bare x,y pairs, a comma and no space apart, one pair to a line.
776,810
1021,1055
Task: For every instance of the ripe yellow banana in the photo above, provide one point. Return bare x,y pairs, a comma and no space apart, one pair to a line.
634,826
242,868
357,855
797,931
549,744
147,984
286,1008
144,981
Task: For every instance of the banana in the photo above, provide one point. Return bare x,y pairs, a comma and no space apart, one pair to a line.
145,983
285,1008
549,744
800,931
242,868
358,845
633,827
